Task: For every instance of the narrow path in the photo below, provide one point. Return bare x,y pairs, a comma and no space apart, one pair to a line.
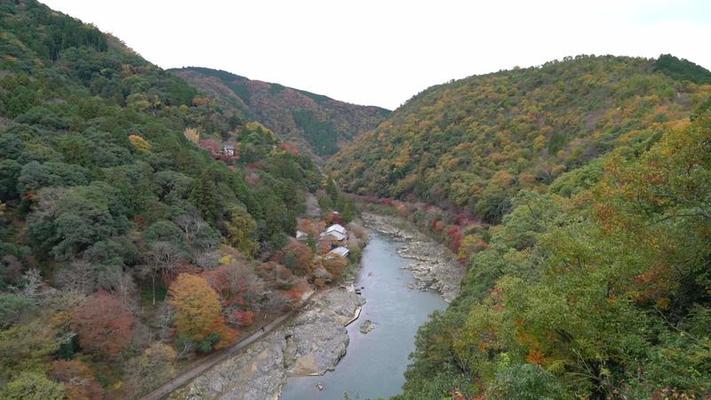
205,364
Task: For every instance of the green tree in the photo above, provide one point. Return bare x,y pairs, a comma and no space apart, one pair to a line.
204,196
32,386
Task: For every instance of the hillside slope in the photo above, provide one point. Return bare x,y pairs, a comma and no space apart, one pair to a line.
131,240
475,142
589,278
316,123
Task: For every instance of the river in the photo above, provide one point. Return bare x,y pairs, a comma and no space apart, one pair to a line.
375,362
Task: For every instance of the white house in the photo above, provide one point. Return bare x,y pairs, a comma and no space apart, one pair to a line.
340,251
333,235
228,149
300,235
337,228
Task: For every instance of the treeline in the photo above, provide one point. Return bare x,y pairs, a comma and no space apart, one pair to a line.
318,125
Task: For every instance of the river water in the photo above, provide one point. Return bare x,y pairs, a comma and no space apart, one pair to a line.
375,362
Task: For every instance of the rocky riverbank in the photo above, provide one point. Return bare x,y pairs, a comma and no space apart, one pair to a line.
316,339
312,343
433,266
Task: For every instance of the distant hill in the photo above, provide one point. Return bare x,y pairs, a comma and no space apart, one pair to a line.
475,142
315,123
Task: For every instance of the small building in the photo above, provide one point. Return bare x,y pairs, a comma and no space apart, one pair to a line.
334,236
228,149
338,228
340,251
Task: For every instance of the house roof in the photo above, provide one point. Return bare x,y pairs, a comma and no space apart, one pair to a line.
334,235
301,235
336,227
341,251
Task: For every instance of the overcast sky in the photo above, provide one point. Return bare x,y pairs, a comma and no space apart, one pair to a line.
383,52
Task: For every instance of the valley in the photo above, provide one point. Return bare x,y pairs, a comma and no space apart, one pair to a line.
187,233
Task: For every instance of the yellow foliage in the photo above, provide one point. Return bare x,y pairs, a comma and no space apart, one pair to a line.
198,309
192,134
139,143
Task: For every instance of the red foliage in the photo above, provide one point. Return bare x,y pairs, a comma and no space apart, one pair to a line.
235,283
243,318
455,235
290,148
297,291
104,324
211,145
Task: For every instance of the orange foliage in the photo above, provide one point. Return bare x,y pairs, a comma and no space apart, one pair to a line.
290,148
297,256
297,290
535,357
198,310
335,264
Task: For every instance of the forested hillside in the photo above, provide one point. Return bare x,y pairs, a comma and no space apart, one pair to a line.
317,124
114,186
476,142
589,275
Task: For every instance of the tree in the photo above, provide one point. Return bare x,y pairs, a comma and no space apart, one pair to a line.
235,283
297,256
241,231
32,386
204,196
104,324
335,264
155,365
196,232
78,380
198,315
162,258
27,346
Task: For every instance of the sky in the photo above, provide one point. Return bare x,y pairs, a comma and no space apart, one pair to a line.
382,52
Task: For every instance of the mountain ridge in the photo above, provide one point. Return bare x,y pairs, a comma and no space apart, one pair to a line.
316,123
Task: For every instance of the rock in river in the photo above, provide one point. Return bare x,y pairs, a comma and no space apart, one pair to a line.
366,327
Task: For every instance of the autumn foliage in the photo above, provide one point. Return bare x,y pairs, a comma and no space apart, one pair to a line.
198,310
335,264
104,324
78,380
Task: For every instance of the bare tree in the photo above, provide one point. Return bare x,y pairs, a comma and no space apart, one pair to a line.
162,259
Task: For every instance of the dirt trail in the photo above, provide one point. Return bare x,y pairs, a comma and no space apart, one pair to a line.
205,364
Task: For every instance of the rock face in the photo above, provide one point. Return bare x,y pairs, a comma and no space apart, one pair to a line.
256,374
434,266
317,339
312,343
